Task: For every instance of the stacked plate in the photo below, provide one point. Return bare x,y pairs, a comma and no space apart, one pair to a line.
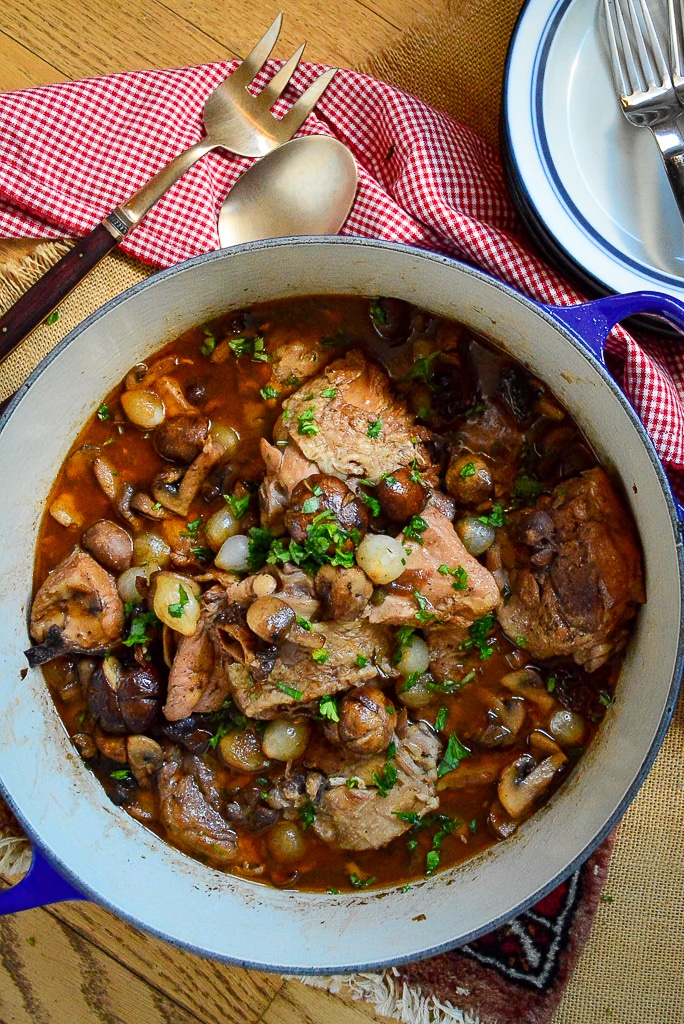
591,187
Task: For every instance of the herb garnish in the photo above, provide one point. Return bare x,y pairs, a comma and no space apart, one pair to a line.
361,883
460,576
478,636
441,719
140,622
453,755
386,779
238,506
268,392
414,528
495,517
327,707
374,428
468,470
378,313
209,343
176,609
320,655
305,423
103,412
290,691
423,615
361,661
307,814
254,347
121,774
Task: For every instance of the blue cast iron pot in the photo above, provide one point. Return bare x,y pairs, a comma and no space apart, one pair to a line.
87,848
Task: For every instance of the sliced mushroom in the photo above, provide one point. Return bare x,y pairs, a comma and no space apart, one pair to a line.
505,719
145,757
117,490
500,822
524,781
110,544
113,747
178,493
527,683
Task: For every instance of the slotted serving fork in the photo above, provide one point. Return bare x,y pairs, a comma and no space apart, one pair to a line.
646,90
234,120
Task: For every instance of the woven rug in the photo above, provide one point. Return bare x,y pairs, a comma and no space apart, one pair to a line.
607,945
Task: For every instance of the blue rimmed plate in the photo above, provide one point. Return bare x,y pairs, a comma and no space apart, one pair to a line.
591,187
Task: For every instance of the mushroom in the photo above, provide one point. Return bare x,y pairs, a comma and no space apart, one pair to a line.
124,700
110,544
116,489
321,493
270,618
468,479
527,683
177,490
524,781
344,593
367,720
505,719
401,496
113,747
145,757
181,438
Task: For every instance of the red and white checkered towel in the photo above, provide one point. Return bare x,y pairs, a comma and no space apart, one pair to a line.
70,153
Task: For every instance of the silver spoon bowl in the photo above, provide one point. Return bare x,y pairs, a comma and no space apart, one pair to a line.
305,187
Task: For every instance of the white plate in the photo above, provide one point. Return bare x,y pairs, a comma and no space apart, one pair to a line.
594,183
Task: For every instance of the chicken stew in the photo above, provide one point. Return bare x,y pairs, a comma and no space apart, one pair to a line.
332,593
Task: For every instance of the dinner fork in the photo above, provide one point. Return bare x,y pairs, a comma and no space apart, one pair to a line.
644,84
234,120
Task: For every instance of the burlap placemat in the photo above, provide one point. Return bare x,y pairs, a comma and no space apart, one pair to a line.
632,968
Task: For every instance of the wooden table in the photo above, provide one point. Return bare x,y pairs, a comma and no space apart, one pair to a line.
76,963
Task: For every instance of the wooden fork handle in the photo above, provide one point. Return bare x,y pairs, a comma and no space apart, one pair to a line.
40,300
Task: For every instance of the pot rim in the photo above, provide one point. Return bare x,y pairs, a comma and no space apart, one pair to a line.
574,338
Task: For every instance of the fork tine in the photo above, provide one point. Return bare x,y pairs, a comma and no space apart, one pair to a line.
271,92
615,26
656,49
253,63
298,113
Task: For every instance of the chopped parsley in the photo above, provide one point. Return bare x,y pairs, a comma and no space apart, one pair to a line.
495,517
137,633
307,814
453,755
103,412
372,503
268,392
290,691
467,470
422,369
551,684
423,615
192,529
238,506
176,609
329,392
361,661
209,344
320,655
378,313
202,554
404,640
327,708
227,718
121,774
52,318
254,347
478,636
386,779
374,428
441,719
411,681
605,698
526,489
260,541
325,544
414,475
447,826
311,504
305,423
304,623
414,528
361,883
460,581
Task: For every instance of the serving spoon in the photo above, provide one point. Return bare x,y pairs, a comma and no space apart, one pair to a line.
305,187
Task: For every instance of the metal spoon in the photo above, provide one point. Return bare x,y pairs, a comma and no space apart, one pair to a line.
305,187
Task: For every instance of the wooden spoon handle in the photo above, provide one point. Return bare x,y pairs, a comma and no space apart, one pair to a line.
39,301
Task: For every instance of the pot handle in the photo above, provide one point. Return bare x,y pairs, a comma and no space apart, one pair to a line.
592,322
42,884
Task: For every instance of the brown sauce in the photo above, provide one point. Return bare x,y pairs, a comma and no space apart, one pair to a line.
448,379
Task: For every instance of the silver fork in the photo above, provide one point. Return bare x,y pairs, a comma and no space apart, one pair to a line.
644,84
234,120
